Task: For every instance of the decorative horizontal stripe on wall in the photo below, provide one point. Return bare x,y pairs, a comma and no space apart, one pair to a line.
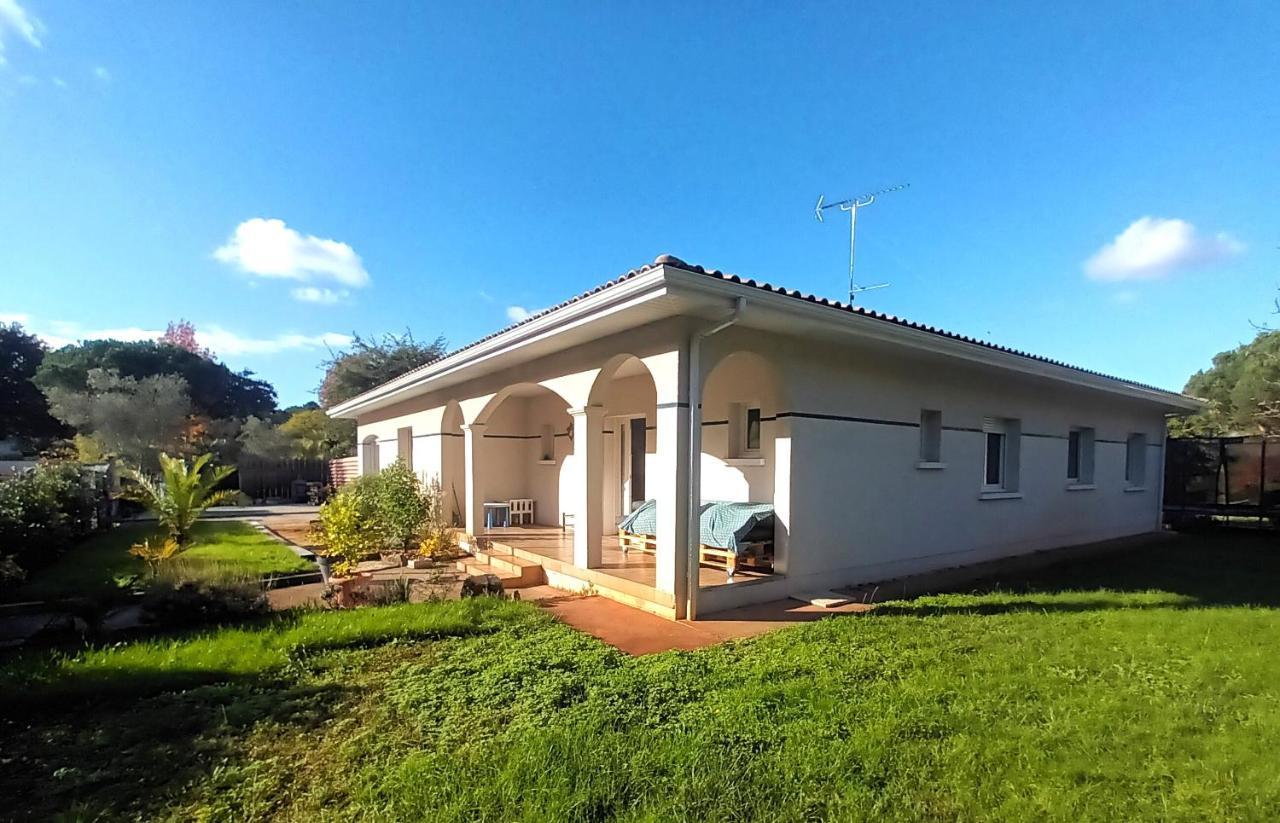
839,418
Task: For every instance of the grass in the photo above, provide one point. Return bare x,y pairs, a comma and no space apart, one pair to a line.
221,548
1142,687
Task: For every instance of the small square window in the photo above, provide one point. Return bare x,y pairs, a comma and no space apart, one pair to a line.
930,436
752,430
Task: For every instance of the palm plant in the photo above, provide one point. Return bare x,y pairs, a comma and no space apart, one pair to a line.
181,494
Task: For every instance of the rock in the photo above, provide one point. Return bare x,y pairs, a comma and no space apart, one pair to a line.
482,584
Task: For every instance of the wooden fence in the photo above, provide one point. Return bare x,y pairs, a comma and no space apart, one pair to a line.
343,470
283,479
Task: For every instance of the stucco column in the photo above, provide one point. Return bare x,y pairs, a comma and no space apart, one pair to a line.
781,494
473,454
668,484
588,488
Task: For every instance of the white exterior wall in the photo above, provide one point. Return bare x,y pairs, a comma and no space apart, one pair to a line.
861,508
839,451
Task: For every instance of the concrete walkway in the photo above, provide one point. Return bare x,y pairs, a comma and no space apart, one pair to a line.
637,632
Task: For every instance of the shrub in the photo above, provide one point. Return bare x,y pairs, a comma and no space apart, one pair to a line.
437,537
155,550
348,528
177,598
45,511
182,493
398,504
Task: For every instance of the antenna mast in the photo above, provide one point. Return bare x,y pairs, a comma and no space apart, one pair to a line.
852,205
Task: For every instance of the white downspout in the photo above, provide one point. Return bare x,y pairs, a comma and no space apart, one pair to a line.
695,450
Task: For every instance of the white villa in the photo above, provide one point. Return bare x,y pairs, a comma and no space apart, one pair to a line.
876,447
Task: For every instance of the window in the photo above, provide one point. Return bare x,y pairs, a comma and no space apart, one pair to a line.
744,432
1080,456
404,445
1001,454
752,441
930,436
1135,461
994,477
369,456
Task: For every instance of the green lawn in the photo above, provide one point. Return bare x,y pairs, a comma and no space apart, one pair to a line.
221,547
1140,688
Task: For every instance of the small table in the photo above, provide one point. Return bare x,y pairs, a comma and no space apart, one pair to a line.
497,514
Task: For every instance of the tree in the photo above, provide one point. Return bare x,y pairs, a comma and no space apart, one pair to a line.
24,411
261,439
132,418
316,434
1242,389
369,363
182,494
183,335
215,391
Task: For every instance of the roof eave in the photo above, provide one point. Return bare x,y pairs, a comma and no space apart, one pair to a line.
644,285
841,318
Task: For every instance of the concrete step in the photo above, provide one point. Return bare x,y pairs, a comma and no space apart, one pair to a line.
512,576
513,564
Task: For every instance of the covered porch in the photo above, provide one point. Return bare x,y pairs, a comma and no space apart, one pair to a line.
584,439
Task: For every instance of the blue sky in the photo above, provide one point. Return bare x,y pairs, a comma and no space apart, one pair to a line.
1098,183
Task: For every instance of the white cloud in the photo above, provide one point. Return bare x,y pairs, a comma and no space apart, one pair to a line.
15,20
311,294
59,82
101,73
517,313
269,248
229,343
1152,247
220,341
14,317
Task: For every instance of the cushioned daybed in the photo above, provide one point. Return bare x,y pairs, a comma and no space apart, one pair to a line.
731,534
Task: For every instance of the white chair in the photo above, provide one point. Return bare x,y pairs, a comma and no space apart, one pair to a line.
521,512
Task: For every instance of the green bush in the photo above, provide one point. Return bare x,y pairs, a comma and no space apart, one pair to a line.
45,511
383,512
347,528
399,505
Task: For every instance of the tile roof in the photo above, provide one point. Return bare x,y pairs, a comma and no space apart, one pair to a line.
672,261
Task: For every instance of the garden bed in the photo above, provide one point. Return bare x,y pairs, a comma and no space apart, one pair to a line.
221,548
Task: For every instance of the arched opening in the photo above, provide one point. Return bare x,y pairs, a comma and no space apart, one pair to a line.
453,472
745,456
626,391
369,463
523,439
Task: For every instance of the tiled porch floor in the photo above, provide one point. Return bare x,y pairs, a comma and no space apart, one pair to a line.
638,567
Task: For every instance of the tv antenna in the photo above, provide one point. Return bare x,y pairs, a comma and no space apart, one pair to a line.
852,205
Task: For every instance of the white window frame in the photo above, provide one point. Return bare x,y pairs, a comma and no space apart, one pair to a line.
736,437
994,429
930,456
747,449
1085,438
1010,431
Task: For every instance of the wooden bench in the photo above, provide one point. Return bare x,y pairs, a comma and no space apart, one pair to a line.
709,555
